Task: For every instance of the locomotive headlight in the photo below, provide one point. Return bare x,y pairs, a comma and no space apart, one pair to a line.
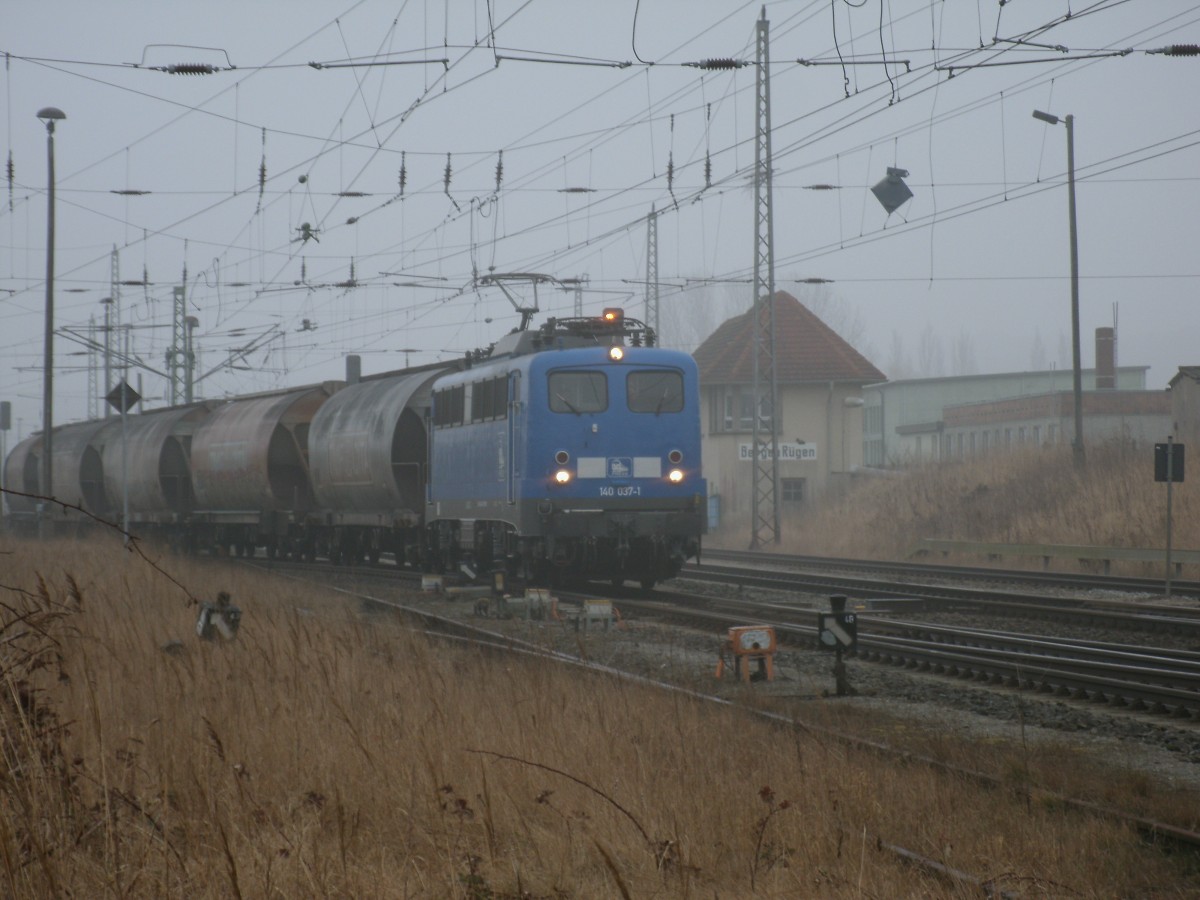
675,476
562,476
616,354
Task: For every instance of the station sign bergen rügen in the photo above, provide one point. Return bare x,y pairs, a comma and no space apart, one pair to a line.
787,451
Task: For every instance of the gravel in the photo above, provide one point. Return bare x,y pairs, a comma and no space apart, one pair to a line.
1158,745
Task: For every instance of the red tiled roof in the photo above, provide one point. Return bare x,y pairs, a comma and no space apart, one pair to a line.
806,349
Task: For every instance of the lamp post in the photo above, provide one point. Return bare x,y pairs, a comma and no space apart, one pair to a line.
1069,121
49,115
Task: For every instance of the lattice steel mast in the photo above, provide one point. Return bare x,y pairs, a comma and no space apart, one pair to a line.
112,321
764,523
177,353
93,362
652,271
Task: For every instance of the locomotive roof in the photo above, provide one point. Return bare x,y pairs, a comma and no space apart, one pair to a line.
572,333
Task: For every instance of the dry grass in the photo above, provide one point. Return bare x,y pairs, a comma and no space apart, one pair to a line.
1033,496
321,755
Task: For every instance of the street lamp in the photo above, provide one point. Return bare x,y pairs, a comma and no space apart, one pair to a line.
49,115
1069,121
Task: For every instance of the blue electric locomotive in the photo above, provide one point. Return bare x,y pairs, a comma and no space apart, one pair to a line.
570,450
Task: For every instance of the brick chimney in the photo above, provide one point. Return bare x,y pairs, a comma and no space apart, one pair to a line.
1106,364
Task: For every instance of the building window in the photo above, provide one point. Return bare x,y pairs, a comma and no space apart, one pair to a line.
733,409
1037,434
792,489
1021,435
873,419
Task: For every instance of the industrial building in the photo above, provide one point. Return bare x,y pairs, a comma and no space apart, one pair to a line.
930,419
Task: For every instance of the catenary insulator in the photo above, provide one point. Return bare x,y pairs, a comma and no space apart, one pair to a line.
191,69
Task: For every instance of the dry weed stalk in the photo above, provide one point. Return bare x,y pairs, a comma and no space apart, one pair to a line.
240,769
1028,495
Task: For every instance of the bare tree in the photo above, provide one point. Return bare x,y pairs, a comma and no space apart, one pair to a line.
931,359
834,312
1064,352
687,318
897,359
963,360
1038,361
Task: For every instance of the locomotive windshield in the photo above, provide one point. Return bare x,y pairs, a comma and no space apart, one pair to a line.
578,392
655,391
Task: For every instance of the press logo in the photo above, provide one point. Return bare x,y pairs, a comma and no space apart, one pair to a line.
620,467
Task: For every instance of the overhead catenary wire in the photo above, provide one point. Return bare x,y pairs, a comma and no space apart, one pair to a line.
515,187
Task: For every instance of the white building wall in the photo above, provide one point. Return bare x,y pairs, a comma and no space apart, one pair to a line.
820,441
920,401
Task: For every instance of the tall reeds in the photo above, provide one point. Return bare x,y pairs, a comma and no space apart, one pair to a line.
325,754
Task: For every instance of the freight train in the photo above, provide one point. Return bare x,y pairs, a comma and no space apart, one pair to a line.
571,449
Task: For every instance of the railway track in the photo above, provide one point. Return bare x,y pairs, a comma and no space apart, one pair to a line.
897,593
1119,675
1135,677
710,614
971,574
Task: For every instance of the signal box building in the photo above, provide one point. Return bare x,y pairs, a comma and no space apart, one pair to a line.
820,378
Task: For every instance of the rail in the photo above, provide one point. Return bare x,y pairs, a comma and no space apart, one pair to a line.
1082,552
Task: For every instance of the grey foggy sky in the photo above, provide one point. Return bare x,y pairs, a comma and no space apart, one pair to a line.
978,255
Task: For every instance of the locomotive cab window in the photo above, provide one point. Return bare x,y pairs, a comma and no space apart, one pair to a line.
578,392
655,391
